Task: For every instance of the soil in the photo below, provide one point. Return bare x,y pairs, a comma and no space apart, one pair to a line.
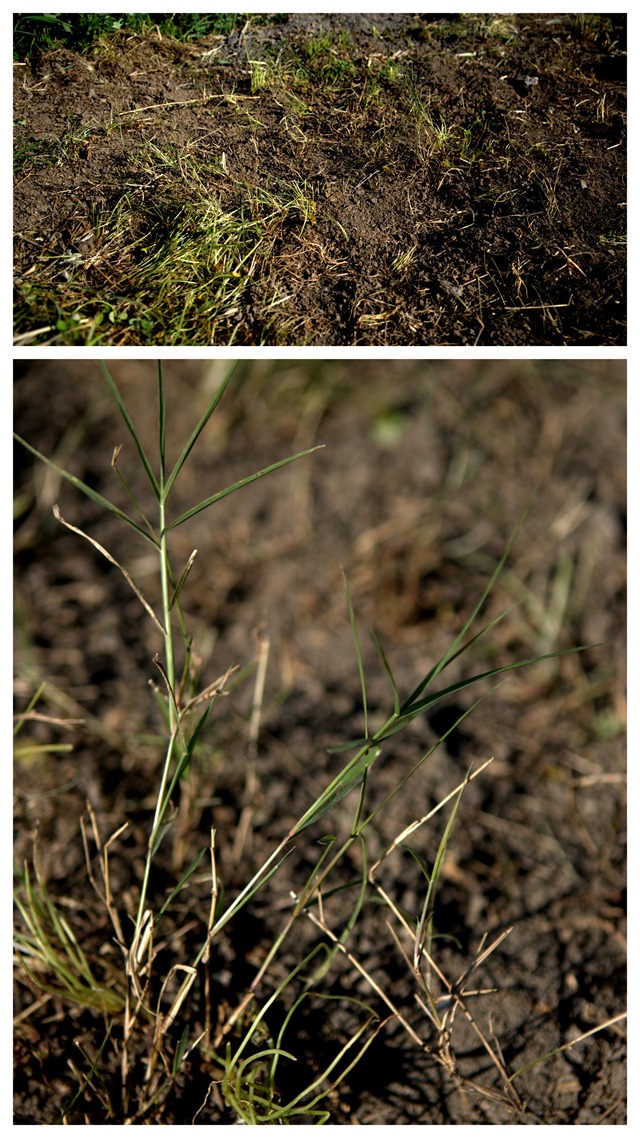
510,231
426,469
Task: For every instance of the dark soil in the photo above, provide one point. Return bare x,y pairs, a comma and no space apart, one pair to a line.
511,229
426,470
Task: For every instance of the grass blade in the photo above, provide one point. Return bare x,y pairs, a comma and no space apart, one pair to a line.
568,1046
452,655
130,427
356,641
424,930
187,755
457,646
198,429
162,422
237,486
256,883
90,493
109,557
413,709
387,667
348,778
182,882
93,1068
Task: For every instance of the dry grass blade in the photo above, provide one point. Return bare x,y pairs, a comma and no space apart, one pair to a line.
105,553
411,829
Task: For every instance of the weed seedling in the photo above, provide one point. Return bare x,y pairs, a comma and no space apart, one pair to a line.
148,999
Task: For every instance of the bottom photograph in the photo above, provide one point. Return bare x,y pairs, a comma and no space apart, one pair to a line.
320,742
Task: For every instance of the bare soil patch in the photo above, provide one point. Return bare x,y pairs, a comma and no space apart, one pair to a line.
426,470
344,180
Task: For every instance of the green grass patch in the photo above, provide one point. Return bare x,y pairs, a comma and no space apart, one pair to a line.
80,32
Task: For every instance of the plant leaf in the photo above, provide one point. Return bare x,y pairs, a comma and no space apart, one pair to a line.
414,709
424,929
457,647
187,755
197,431
90,493
356,641
109,557
182,882
237,486
387,667
348,778
162,421
450,656
130,427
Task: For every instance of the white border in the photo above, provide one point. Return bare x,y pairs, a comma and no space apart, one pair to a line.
379,353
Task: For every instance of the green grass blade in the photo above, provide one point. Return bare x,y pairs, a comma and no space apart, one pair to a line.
182,882
338,748
90,493
387,667
450,656
356,641
237,486
187,755
93,1068
198,429
364,881
247,893
287,1111
162,422
345,782
425,924
457,646
414,709
130,427
20,722
181,1050
423,759
567,1046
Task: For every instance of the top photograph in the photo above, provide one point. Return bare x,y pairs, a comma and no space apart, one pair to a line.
345,180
